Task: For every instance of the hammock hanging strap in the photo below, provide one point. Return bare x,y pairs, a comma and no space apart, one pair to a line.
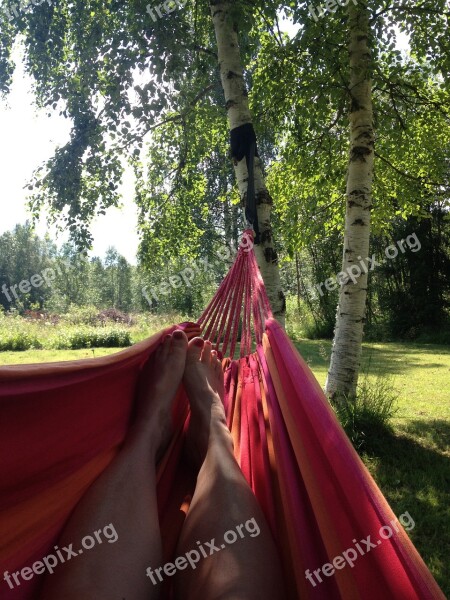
243,145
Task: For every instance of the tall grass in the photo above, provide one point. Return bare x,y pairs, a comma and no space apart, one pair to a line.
369,415
79,328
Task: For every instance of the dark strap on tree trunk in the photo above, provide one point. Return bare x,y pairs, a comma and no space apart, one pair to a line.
243,144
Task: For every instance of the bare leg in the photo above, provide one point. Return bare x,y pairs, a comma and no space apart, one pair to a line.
223,502
124,496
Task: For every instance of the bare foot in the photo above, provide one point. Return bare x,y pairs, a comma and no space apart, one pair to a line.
203,381
158,385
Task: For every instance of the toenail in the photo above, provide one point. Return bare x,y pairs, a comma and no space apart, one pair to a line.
199,342
178,335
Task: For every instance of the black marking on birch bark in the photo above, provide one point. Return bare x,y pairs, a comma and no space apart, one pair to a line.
282,299
360,38
233,75
214,3
359,153
359,222
355,106
366,135
352,203
266,236
271,255
230,104
263,197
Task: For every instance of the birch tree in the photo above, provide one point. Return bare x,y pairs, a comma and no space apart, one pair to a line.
347,344
321,87
238,113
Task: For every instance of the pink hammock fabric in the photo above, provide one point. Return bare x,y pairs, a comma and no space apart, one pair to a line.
61,424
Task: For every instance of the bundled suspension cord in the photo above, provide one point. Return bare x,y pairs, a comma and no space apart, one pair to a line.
240,307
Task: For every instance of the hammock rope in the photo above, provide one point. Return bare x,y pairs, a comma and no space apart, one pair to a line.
241,300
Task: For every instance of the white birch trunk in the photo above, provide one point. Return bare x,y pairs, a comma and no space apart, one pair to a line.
347,345
238,112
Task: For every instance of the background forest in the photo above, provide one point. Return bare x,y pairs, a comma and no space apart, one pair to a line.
408,298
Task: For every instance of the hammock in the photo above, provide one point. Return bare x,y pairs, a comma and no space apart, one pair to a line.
61,424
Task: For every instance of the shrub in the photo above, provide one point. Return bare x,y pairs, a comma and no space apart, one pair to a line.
90,315
41,316
434,337
320,330
300,322
81,315
116,316
18,341
369,414
16,335
90,337
36,332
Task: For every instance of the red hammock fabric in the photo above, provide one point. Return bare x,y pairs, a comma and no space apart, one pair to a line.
61,424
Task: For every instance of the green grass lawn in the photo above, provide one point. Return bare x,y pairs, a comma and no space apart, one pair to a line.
38,356
411,464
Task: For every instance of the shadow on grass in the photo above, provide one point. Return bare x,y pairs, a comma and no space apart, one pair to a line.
391,359
414,475
435,433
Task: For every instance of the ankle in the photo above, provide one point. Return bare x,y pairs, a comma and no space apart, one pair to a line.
220,440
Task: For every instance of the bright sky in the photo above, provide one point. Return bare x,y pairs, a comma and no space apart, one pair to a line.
29,138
